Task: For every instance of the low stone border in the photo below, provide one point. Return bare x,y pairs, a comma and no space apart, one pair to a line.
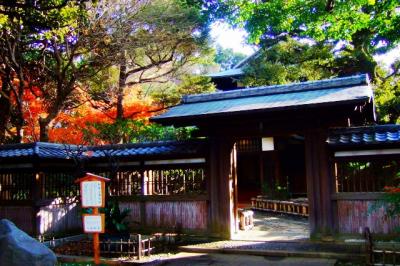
275,253
108,261
69,258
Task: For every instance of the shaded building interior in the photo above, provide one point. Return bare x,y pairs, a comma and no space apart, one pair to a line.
276,172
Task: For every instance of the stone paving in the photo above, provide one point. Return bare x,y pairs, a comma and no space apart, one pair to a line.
275,232
294,246
275,227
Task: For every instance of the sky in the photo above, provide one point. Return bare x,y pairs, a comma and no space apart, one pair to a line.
235,39
228,37
389,57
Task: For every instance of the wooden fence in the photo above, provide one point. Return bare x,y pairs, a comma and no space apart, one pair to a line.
168,213
162,194
280,206
22,216
16,186
58,216
136,246
360,183
355,211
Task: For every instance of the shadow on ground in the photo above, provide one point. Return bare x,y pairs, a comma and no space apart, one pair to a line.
239,260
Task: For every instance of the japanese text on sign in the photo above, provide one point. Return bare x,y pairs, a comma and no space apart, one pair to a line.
91,194
92,223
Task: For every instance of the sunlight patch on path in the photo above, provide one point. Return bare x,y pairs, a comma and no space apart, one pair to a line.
272,227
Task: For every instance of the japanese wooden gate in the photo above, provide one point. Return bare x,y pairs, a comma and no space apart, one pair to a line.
308,109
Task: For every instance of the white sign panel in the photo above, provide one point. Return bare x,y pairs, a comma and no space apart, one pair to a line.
92,224
267,144
91,194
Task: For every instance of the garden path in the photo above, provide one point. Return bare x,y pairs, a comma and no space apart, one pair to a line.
275,227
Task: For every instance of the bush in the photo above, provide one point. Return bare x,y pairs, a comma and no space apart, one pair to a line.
115,217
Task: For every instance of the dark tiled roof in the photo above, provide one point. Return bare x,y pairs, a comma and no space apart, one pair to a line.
143,149
37,149
61,151
297,95
364,135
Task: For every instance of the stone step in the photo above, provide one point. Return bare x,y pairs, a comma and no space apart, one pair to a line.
353,252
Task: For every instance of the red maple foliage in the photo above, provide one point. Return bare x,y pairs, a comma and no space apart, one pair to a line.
68,125
389,189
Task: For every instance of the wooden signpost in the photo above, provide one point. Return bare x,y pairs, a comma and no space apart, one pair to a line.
93,194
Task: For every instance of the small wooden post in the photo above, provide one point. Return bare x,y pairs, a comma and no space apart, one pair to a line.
149,247
139,239
96,242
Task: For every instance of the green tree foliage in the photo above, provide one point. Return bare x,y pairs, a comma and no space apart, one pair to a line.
227,58
171,93
156,59
115,218
45,46
363,28
168,37
28,30
63,47
355,30
290,61
135,131
41,14
387,98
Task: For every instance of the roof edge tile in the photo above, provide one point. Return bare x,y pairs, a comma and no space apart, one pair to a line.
278,89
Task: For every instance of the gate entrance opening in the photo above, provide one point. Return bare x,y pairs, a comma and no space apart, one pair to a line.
271,181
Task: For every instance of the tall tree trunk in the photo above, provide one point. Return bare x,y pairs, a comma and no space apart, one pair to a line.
120,98
45,124
43,129
5,110
366,61
19,118
121,87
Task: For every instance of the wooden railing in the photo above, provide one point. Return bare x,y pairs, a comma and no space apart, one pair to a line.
16,186
129,248
175,181
162,180
280,206
379,256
